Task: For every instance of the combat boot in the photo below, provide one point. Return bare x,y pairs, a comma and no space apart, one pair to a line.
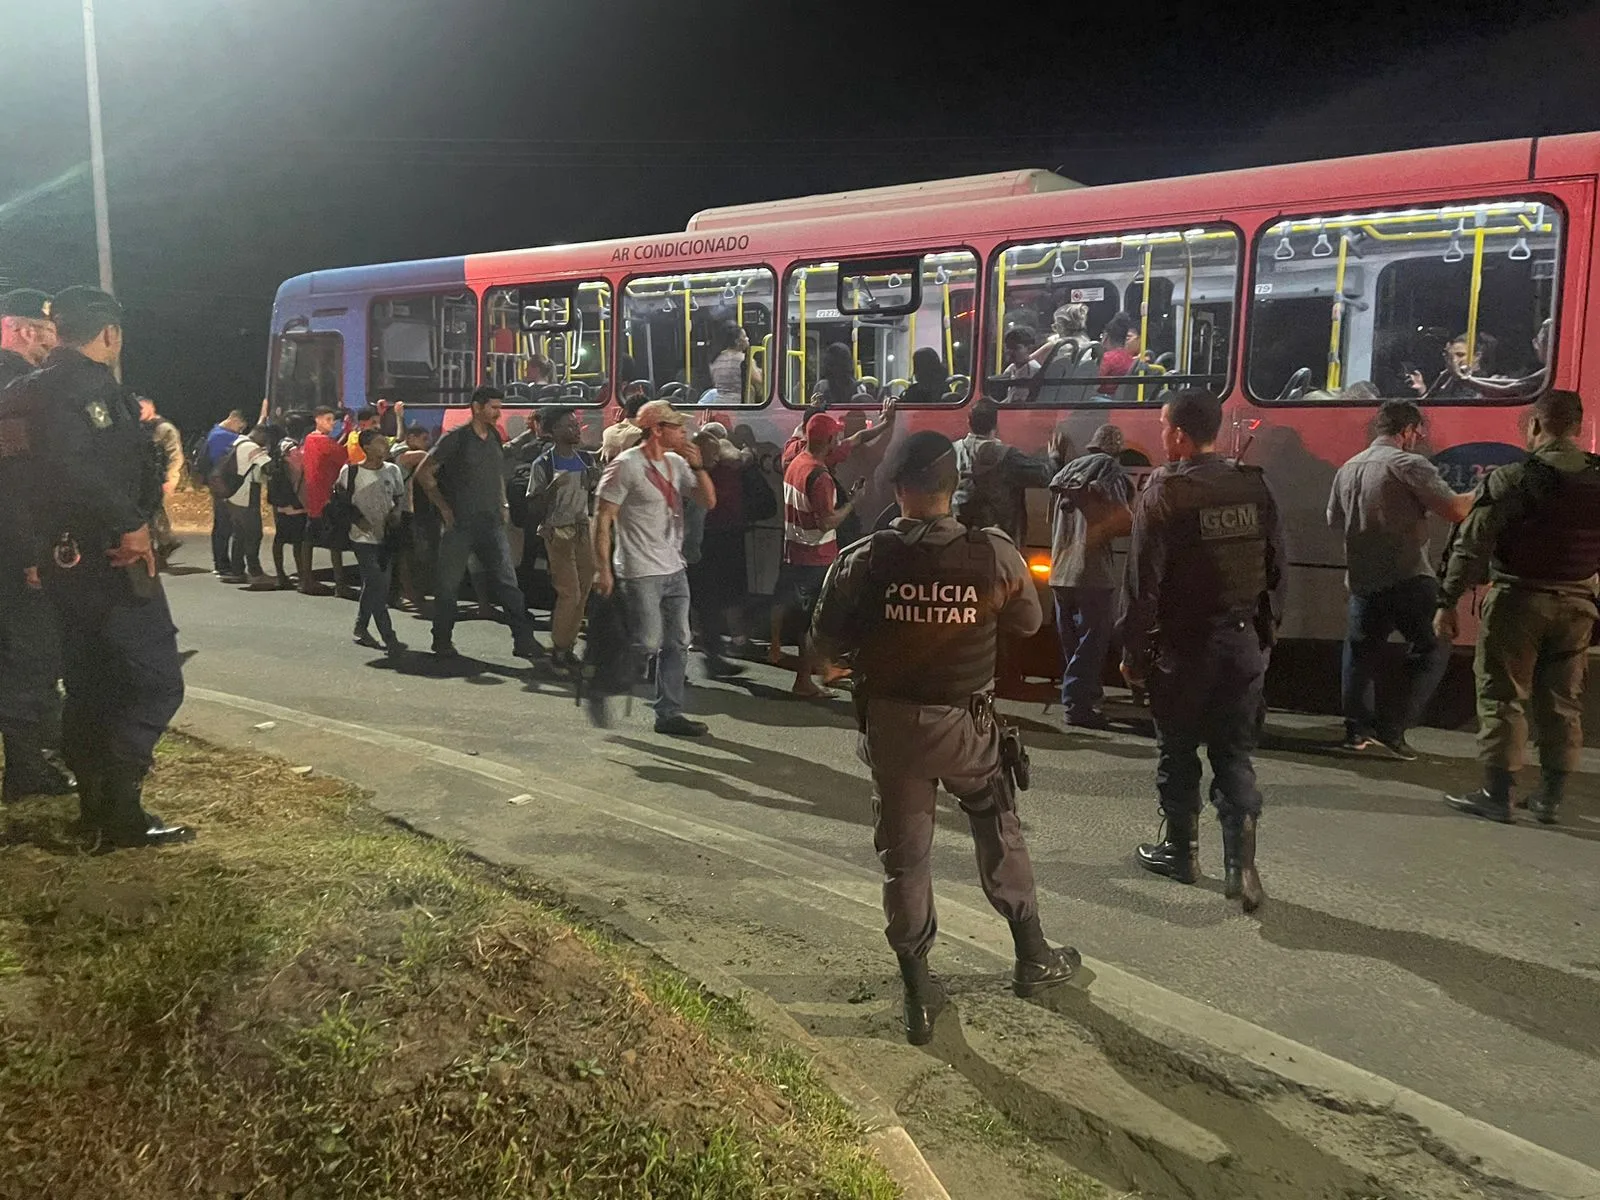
1039,965
124,822
1492,801
925,999
29,772
1240,880
1552,790
1177,854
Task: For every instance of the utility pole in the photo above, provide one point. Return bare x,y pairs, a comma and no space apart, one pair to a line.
97,150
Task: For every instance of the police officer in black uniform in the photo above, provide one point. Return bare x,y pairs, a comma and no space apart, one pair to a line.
921,605
30,646
78,481
1205,587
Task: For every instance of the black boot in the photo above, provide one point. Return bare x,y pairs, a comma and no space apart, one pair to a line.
1552,790
124,821
1492,801
29,772
1039,965
1176,854
1240,881
925,999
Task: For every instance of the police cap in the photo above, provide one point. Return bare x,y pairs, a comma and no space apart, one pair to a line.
30,303
82,312
912,457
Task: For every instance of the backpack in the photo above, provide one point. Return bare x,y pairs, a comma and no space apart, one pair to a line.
849,529
517,499
224,477
531,512
280,487
340,513
200,463
1079,492
982,498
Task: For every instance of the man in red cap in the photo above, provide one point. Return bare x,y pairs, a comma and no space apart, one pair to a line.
812,514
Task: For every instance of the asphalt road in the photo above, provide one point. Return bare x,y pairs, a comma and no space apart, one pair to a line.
1457,958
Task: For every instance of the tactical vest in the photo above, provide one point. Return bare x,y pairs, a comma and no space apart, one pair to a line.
1558,539
1216,548
934,625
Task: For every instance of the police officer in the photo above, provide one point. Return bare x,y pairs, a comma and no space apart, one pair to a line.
1205,580
921,605
80,479
1534,536
30,653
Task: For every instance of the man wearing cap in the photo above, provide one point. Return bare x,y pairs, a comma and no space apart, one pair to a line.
640,518
812,514
1206,575
30,642
73,449
922,605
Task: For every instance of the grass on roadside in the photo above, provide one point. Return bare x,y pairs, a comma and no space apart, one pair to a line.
310,1002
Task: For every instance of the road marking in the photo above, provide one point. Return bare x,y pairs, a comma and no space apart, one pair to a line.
1145,1005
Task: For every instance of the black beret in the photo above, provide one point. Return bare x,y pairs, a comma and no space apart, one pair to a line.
918,452
26,302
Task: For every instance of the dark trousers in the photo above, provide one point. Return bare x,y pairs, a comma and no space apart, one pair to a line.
1209,694
1083,623
484,537
1408,607
221,534
30,660
245,554
375,564
123,676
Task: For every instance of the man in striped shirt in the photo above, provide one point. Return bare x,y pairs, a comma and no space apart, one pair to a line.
812,513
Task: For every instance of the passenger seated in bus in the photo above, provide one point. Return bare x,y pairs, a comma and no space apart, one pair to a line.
1452,382
1069,338
731,365
930,380
1363,391
838,382
1504,388
537,369
1119,346
1020,363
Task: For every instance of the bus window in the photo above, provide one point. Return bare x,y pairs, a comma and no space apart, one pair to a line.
307,372
549,342
423,347
1115,319
703,338
897,327
1450,304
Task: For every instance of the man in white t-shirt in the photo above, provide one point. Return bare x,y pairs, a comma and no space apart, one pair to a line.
640,516
250,454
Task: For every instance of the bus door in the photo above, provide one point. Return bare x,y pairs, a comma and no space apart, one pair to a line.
310,364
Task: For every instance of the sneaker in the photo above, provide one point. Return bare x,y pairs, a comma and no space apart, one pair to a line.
1356,743
1398,748
393,645
446,649
362,638
1481,804
681,726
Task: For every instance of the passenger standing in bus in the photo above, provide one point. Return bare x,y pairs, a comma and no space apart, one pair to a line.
464,477
1090,499
733,374
1382,499
1206,576
1534,536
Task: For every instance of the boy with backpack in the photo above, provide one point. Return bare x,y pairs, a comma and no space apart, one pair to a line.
205,457
556,505
994,477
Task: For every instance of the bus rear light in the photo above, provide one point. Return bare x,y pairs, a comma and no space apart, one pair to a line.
1039,564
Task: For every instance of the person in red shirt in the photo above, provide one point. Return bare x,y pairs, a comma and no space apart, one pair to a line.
841,449
812,513
322,456
1119,346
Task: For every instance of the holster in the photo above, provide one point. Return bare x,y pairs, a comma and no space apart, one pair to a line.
1014,757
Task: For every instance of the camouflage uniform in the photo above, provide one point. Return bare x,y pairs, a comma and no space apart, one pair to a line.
1533,645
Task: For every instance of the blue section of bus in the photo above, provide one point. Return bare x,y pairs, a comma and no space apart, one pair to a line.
343,297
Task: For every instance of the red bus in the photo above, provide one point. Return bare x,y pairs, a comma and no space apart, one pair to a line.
1301,294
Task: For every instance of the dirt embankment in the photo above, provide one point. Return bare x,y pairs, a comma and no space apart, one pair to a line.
309,1002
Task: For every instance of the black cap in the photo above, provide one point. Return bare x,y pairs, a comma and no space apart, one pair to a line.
82,312
917,453
26,302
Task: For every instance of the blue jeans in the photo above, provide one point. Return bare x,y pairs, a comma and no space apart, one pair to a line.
658,622
482,535
1083,622
1408,607
375,564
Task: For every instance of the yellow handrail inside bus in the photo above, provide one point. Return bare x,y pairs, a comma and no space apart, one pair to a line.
1472,298
949,331
1336,332
1000,313
605,358
738,316
1181,361
1144,311
802,388
688,331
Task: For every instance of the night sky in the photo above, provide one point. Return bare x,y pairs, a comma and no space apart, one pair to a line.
249,140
